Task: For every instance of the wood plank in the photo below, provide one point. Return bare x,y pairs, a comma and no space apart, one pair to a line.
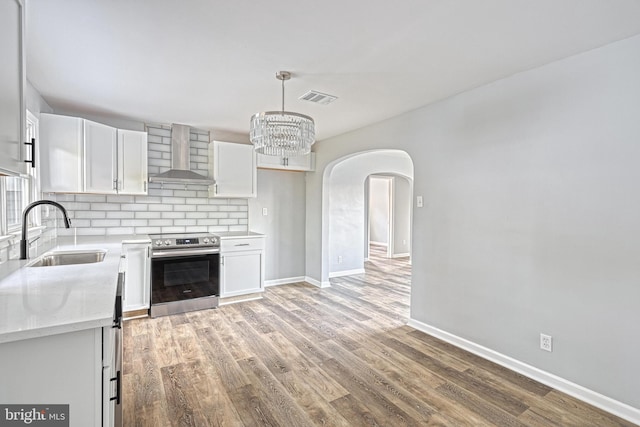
228,373
381,408
486,410
282,405
181,396
507,374
463,379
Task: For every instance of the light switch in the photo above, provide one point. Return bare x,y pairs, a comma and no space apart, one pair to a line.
264,212
419,201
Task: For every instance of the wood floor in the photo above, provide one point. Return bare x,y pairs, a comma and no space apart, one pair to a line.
341,356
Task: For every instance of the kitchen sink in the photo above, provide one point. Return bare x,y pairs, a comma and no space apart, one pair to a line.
51,259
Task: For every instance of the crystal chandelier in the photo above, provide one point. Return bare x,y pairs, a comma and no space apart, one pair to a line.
282,133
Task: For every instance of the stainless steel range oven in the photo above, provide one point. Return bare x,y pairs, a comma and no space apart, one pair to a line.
184,273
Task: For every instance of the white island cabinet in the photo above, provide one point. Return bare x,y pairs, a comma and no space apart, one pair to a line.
64,369
233,168
241,265
136,287
12,84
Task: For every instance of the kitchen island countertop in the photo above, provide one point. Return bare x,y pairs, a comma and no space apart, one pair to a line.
40,301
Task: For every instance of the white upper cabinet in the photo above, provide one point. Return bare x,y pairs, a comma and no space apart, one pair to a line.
12,84
297,163
61,148
100,156
79,155
233,167
132,162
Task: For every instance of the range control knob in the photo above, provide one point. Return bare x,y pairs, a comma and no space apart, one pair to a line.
158,242
167,242
206,240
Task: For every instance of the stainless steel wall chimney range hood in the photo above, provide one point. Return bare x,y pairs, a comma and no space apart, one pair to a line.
180,171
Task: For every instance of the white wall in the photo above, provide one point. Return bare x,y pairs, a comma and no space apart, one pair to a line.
532,217
379,208
282,193
402,198
35,103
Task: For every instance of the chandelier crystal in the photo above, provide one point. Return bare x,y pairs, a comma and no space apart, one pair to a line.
282,133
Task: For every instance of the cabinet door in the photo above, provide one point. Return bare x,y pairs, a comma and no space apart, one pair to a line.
135,294
132,162
233,169
241,273
270,162
100,158
301,163
61,148
297,163
12,83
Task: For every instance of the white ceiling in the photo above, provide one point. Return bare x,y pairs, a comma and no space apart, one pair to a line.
212,63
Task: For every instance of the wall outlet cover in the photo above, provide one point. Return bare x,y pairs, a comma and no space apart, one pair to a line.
546,342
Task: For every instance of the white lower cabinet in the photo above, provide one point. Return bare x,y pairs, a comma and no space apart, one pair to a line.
241,266
65,368
136,287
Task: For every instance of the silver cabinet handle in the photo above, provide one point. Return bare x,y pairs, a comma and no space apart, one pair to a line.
242,244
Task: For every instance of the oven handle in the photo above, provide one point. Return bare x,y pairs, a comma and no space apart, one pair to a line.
184,252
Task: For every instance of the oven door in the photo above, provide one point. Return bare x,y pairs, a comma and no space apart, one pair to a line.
184,275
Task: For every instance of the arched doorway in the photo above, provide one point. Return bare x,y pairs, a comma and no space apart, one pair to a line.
344,211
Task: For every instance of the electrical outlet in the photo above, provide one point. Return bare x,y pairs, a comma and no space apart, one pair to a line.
339,259
546,342
265,211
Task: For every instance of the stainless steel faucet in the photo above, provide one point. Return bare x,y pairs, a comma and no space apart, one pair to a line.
24,246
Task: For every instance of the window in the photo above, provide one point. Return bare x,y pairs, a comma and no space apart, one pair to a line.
16,192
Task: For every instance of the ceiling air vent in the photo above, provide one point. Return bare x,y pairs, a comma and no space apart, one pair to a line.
318,97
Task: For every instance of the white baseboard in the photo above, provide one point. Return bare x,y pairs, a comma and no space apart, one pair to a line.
346,273
317,283
284,281
596,399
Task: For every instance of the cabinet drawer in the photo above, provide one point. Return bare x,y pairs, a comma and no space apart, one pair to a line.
234,245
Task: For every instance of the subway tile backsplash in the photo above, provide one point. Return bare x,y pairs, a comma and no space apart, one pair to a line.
168,208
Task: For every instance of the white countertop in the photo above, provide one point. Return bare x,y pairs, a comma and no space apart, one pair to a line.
40,301
238,235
